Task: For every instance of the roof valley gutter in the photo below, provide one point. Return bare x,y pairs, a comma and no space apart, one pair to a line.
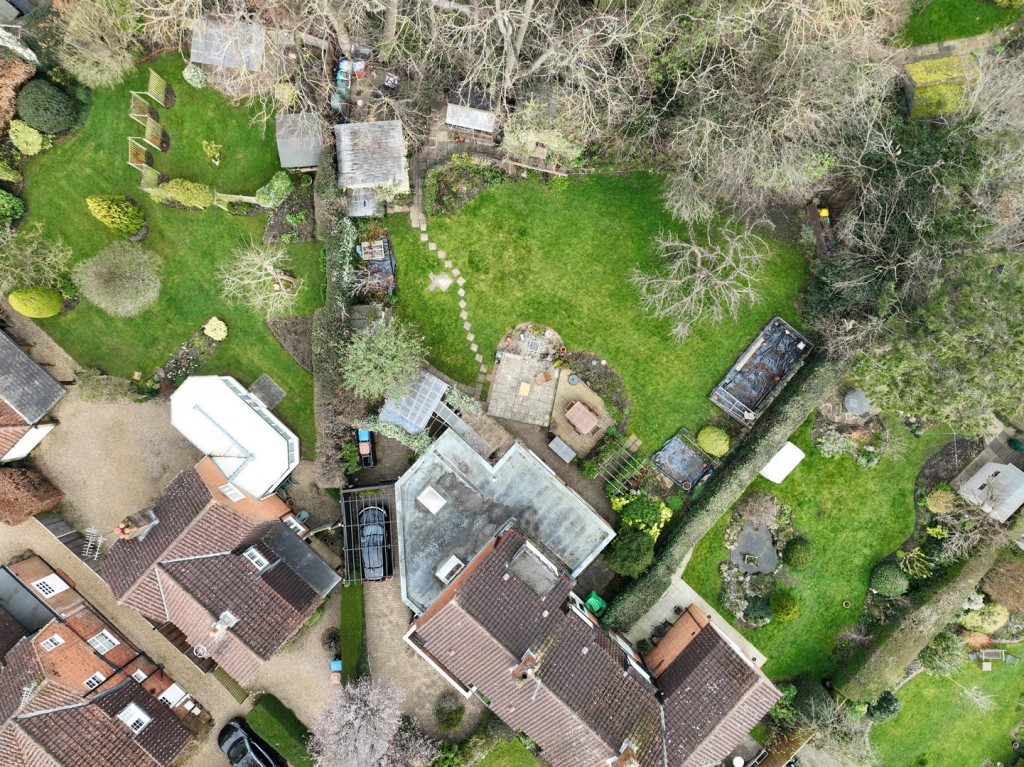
73,706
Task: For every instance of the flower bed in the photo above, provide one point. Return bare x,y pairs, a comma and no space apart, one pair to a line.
189,357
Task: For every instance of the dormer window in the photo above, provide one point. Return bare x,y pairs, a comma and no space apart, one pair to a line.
256,558
134,717
104,642
51,585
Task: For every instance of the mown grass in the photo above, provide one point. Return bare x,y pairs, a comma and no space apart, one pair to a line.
281,729
940,20
192,243
564,257
351,628
937,727
853,517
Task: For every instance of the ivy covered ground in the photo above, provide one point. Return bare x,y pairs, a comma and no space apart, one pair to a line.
191,243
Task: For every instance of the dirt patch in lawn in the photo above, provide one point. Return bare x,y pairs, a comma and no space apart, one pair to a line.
948,462
292,220
295,334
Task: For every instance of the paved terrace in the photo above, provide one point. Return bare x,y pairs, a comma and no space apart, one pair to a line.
479,500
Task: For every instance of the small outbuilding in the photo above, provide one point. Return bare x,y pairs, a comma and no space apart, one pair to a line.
470,109
298,141
998,488
936,86
234,45
371,155
783,463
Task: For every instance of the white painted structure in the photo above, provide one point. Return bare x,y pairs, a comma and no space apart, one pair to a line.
784,461
248,443
998,488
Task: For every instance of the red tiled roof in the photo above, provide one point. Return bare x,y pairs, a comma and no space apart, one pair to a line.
11,632
585,698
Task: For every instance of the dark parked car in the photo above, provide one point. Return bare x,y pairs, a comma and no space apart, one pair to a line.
242,750
372,530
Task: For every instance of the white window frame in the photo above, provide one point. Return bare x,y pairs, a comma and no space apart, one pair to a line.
260,562
50,586
228,618
139,675
51,643
232,492
134,718
95,680
104,642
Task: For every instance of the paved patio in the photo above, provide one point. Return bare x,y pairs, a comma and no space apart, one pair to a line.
996,451
515,393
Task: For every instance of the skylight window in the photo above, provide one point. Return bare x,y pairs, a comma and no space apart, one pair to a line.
51,585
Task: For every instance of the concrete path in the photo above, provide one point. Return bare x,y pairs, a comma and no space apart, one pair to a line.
387,620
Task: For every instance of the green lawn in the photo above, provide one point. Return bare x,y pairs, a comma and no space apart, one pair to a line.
192,243
942,20
853,518
510,754
351,628
564,258
936,727
281,729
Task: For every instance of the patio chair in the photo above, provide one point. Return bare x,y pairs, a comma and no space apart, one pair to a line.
972,656
1013,660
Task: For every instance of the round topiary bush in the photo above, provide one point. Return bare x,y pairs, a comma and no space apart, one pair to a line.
798,554
27,139
122,279
449,711
46,108
886,707
941,501
631,552
713,441
784,606
11,207
888,580
37,303
117,213
987,620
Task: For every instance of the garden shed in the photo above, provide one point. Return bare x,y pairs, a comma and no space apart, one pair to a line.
8,12
371,155
998,488
298,140
470,109
235,45
936,86
783,463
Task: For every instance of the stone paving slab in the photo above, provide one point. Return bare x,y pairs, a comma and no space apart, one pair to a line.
441,282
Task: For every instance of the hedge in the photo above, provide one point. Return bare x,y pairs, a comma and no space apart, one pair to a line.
46,108
885,663
726,486
11,207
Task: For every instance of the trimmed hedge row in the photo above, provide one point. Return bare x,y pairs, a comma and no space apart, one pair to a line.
725,487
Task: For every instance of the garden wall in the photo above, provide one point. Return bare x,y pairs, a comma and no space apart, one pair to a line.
725,487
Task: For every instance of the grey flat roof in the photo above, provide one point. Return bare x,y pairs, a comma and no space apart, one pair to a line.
298,140
24,385
480,500
236,45
470,118
371,154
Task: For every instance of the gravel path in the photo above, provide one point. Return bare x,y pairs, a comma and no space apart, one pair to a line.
112,459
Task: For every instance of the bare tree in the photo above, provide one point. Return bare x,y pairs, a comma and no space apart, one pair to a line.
359,725
256,277
29,259
981,700
97,42
706,277
841,739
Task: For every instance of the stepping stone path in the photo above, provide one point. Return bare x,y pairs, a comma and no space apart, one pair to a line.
443,281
